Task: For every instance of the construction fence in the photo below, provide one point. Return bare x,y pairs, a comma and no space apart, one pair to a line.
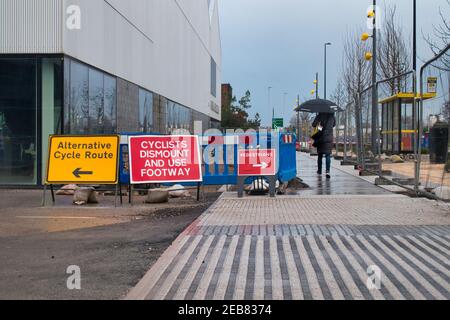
404,140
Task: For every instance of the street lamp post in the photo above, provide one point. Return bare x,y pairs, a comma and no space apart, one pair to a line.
325,71
316,82
270,107
375,139
415,36
416,109
299,134
373,56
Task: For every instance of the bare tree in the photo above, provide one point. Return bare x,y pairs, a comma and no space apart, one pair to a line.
339,97
438,41
394,55
440,38
356,74
306,120
293,122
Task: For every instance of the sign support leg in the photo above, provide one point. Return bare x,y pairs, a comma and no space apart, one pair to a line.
43,195
115,196
131,195
53,194
198,191
121,195
272,185
240,184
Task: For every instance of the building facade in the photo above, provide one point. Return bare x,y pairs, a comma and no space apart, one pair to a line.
227,95
101,67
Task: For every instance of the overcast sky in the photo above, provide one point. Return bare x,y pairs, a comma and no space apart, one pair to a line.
279,43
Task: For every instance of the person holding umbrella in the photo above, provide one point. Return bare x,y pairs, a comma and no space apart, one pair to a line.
324,140
323,124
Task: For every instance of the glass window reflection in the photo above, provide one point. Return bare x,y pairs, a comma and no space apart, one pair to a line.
91,101
145,111
18,116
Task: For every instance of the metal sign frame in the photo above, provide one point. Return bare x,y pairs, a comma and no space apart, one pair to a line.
272,179
117,182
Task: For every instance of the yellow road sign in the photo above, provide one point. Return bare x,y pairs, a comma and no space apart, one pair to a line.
83,160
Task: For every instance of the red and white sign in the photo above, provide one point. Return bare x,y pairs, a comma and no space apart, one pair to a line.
256,162
287,138
165,159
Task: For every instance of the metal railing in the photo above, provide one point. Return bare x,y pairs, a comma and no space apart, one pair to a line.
433,146
374,160
403,134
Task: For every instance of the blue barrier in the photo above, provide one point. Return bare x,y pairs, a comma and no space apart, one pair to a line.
287,158
221,169
220,172
124,165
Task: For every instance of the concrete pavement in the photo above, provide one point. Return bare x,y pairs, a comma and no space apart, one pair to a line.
342,180
310,246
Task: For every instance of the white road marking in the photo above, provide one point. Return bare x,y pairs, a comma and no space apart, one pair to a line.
56,217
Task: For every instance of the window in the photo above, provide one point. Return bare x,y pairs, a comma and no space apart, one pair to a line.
389,125
169,118
110,108
395,126
407,117
18,119
79,98
90,104
178,117
213,78
96,102
145,111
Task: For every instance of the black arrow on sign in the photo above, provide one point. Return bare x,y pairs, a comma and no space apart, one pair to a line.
77,173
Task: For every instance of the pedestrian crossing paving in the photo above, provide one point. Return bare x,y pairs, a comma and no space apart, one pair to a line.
230,261
221,267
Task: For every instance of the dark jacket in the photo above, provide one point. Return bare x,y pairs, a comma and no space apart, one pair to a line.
326,141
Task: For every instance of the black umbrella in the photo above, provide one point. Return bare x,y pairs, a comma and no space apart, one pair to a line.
319,106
